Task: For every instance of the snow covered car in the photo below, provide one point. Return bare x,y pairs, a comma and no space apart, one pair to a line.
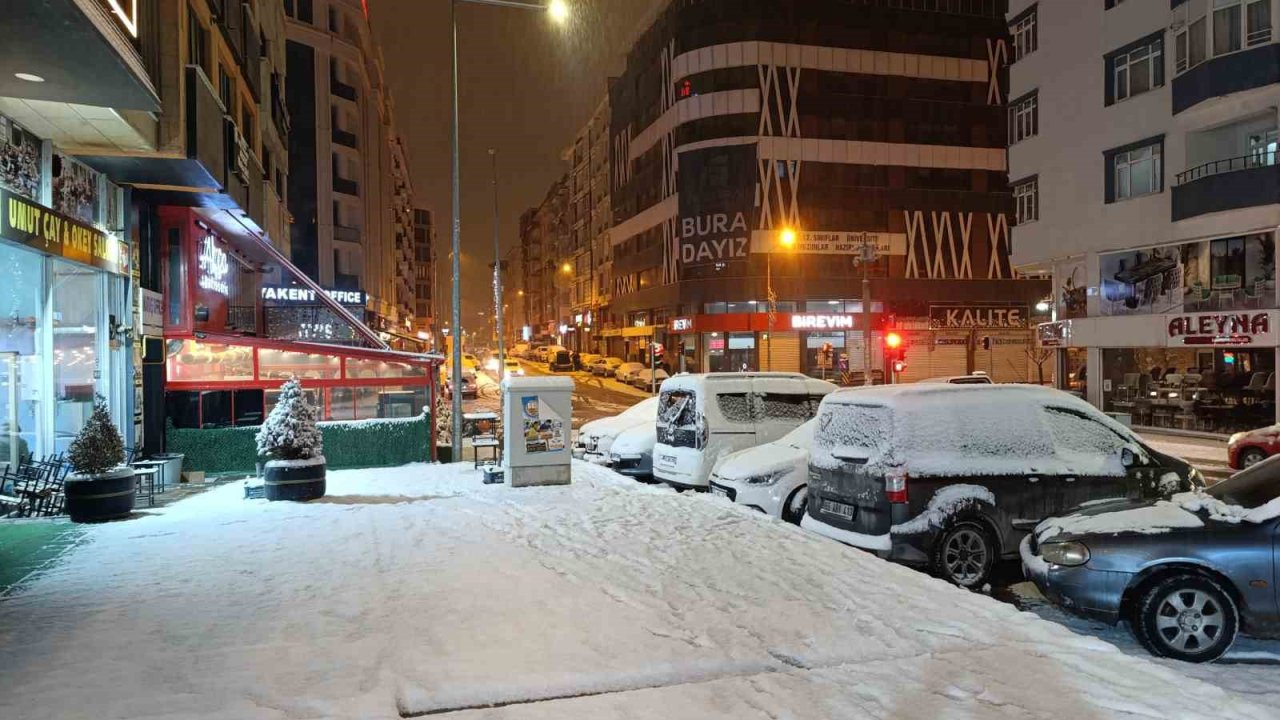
648,379
596,437
702,418
772,478
1187,573
951,477
512,368
626,371
605,367
632,452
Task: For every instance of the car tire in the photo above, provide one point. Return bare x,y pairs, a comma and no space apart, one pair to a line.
1250,457
965,554
797,502
1188,616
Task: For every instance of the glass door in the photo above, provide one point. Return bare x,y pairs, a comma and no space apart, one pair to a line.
80,362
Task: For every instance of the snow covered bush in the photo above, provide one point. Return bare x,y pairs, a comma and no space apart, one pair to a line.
444,420
99,447
290,432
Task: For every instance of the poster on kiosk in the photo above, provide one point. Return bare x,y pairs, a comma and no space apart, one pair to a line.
538,417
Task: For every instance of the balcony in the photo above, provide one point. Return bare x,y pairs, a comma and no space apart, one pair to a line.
1227,74
344,138
346,187
1230,184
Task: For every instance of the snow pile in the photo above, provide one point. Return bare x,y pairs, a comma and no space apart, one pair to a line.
947,501
1200,501
419,590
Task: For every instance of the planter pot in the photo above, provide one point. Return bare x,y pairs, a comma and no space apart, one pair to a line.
444,454
94,498
294,479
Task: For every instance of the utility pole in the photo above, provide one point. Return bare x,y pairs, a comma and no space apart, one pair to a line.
866,256
497,272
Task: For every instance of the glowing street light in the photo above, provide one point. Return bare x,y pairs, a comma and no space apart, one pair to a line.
787,238
559,11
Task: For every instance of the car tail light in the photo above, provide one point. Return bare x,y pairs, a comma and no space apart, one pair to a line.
895,486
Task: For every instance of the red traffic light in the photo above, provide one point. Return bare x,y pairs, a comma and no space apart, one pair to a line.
893,341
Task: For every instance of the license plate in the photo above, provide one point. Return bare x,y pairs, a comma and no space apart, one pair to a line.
722,492
839,509
667,460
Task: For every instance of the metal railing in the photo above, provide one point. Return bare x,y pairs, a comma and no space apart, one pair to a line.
1228,165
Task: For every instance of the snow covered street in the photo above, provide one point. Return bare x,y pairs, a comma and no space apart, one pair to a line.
417,591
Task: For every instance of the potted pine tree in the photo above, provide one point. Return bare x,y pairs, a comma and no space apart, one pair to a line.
100,486
292,440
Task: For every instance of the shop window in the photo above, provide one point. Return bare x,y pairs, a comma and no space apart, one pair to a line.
208,362
215,409
361,368
248,407
271,397
1220,390
182,409
341,404
23,361
285,364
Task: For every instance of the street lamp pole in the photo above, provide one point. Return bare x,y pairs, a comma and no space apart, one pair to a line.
559,12
497,272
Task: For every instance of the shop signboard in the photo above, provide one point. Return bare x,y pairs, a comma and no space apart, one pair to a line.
292,295
717,204
818,321
681,325
152,313
832,242
28,223
1054,334
1249,328
967,317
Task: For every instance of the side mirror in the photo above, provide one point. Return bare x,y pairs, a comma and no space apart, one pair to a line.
1128,458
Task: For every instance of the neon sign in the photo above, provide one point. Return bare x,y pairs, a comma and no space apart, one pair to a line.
214,267
126,12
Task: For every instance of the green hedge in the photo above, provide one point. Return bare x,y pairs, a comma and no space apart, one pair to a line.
362,443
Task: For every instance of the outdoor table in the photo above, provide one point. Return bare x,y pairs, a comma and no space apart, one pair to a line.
157,466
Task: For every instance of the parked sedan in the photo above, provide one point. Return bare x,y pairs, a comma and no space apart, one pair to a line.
772,478
632,451
649,379
605,367
626,371
1187,573
1249,448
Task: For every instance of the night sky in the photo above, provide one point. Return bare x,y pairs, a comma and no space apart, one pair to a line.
527,86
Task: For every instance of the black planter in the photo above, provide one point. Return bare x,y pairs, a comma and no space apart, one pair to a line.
100,497
444,454
293,483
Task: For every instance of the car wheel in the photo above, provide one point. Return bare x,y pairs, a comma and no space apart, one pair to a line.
1250,457
1186,617
793,509
965,554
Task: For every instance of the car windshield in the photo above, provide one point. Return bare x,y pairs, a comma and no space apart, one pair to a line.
676,408
1252,487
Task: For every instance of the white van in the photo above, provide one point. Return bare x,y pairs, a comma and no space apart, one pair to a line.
702,418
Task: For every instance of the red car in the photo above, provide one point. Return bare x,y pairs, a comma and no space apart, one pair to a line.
1252,447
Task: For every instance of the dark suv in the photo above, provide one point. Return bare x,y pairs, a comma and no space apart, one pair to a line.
953,476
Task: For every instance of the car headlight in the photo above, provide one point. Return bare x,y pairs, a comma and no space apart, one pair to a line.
1069,554
764,480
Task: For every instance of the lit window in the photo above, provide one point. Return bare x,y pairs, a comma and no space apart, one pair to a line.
1026,199
1023,30
1024,117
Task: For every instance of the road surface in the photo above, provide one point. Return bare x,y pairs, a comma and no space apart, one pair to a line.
593,397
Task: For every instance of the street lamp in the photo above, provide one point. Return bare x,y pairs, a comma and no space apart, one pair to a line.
559,12
787,240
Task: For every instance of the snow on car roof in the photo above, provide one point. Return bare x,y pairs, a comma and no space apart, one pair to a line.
780,382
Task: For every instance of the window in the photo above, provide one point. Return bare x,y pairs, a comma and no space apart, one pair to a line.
197,40
1262,148
1023,30
1026,199
1075,434
1024,117
1236,24
797,408
225,88
1136,69
1226,26
736,407
1135,171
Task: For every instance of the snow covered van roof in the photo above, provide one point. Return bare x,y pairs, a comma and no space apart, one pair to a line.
725,381
916,394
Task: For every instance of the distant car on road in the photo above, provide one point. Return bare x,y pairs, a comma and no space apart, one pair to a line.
626,371
951,477
560,361
1187,573
605,367
1245,449
648,379
512,367
772,478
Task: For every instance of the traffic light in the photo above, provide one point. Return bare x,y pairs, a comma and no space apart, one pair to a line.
899,366
986,342
892,341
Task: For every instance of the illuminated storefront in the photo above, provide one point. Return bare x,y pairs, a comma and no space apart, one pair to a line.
231,339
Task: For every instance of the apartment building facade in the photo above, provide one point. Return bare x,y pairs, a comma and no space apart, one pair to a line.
590,217
1143,163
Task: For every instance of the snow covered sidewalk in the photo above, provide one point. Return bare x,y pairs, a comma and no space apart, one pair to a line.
416,591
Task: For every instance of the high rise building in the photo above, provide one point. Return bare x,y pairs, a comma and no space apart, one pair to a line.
590,217
547,238
876,123
1150,193
351,196
424,235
